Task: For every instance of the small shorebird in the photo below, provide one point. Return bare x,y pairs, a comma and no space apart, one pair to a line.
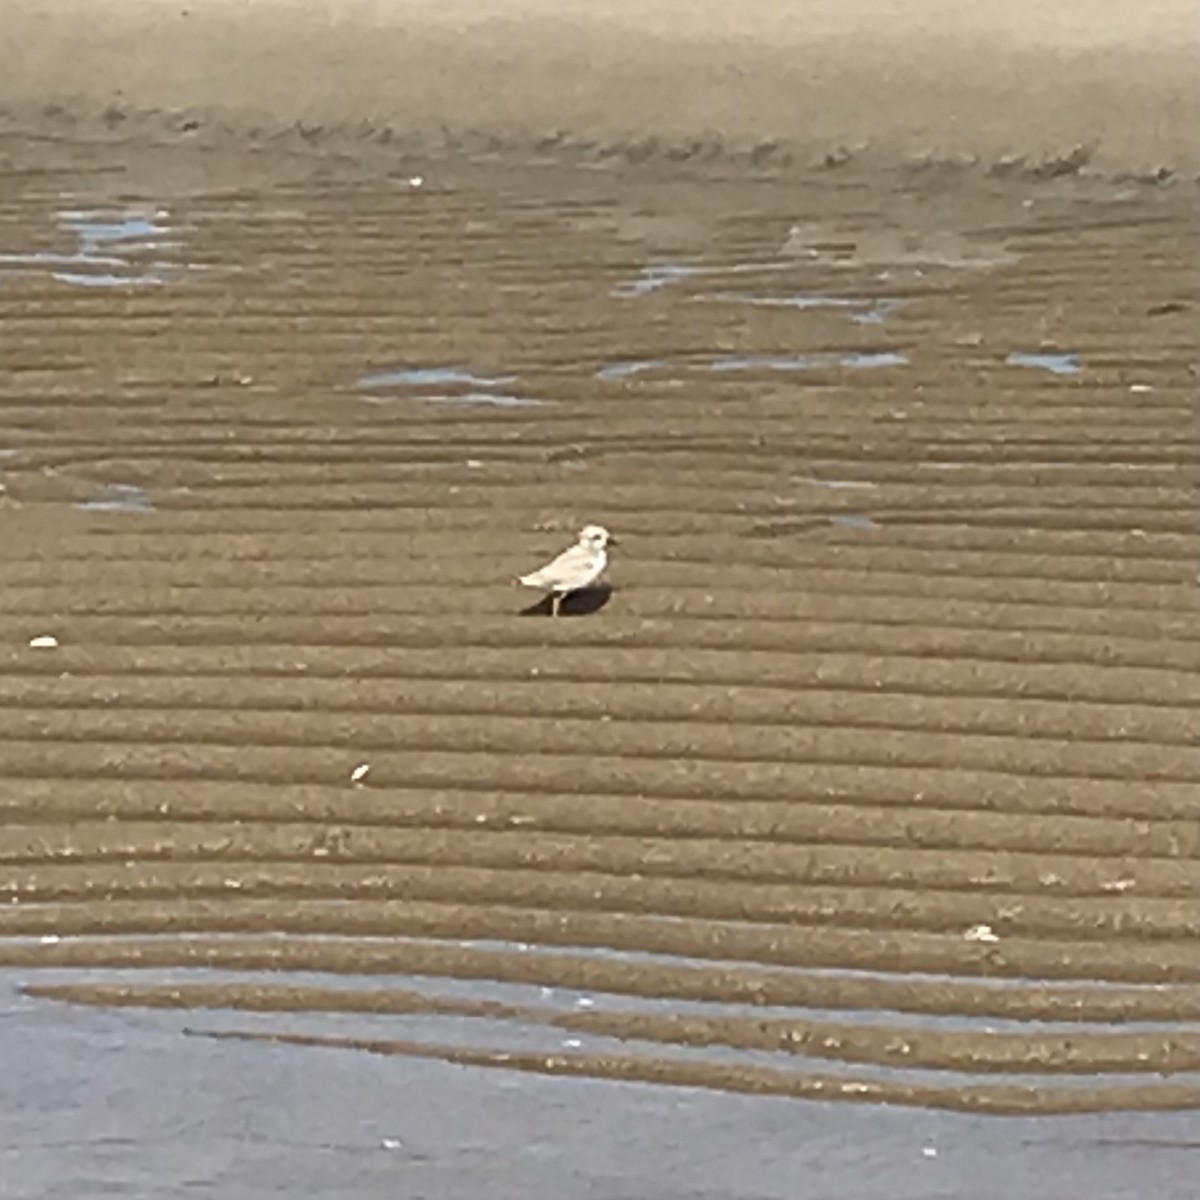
575,568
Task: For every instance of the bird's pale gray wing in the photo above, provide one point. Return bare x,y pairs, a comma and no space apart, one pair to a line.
572,568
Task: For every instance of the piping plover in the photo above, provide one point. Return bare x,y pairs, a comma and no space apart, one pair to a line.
575,568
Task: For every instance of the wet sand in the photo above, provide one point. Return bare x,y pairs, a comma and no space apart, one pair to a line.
870,775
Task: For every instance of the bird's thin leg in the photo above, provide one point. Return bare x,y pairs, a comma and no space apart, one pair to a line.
555,602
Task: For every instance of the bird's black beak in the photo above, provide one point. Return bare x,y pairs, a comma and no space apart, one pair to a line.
612,541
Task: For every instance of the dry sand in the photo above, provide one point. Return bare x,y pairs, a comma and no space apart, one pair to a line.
932,77
873,779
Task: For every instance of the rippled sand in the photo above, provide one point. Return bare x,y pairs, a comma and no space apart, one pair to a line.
871,776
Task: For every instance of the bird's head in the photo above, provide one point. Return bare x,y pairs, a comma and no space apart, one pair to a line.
596,537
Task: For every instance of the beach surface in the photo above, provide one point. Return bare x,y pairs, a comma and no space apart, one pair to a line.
846,835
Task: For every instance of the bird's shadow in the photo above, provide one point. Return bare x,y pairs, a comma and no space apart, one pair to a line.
577,604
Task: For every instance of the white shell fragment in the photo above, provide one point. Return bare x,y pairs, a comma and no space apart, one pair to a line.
45,641
980,933
360,772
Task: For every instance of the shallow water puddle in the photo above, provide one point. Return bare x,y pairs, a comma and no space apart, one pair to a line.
1058,364
623,370
434,376
861,312
113,249
799,302
835,484
98,229
477,389
879,313
492,399
119,497
652,279
660,275
854,359
808,362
